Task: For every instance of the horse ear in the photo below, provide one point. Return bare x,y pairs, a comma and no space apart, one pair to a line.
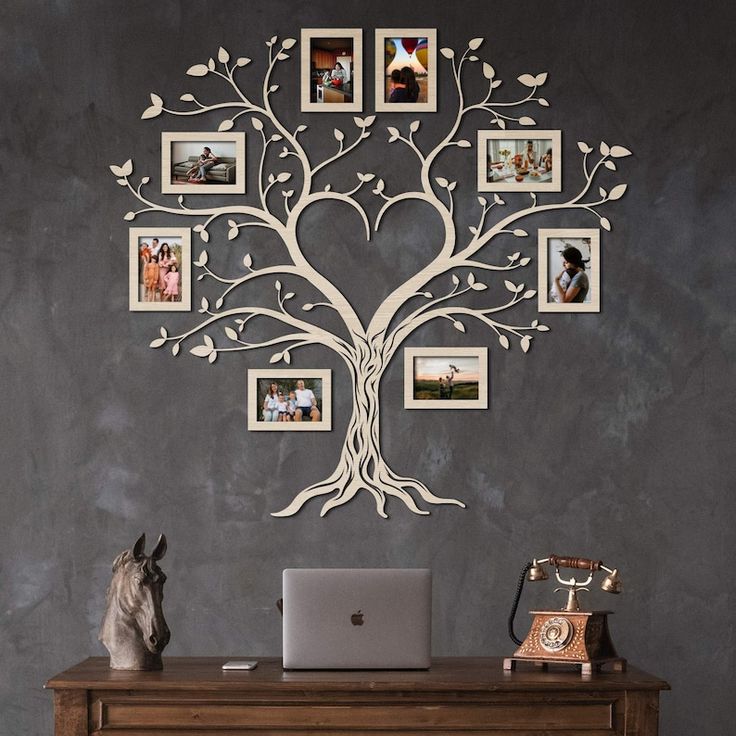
139,547
160,549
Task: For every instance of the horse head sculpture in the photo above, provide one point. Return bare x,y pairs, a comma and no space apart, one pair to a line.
133,628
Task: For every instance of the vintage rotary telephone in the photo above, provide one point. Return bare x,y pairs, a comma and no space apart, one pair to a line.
570,635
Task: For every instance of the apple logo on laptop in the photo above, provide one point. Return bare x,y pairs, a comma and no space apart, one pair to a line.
357,618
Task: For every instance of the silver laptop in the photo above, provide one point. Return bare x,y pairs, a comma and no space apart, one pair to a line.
357,619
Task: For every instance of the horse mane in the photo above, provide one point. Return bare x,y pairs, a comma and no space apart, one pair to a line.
147,565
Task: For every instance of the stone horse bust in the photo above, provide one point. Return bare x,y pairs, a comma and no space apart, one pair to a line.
133,628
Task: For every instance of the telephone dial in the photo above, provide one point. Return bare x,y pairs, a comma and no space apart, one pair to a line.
570,635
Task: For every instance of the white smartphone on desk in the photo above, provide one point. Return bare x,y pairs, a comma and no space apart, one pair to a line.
239,664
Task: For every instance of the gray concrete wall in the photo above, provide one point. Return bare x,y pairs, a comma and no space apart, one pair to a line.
612,438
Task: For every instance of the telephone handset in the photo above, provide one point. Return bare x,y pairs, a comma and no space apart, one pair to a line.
571,636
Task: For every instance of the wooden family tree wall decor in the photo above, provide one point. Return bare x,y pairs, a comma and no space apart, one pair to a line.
366,349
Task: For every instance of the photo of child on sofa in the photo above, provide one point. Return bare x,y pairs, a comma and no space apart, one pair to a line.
209,162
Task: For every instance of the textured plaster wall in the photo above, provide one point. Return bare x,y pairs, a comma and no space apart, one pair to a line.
613,437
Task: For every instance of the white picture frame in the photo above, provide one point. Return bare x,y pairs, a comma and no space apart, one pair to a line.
553,239
537,180
195,141
381,103
137,236
454,356
289,377
356,74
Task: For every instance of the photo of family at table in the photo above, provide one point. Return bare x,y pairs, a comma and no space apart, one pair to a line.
511,161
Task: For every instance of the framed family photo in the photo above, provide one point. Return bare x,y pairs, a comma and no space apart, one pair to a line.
446,378
406,70
284,399
519,161
203,163
160,261
332,70
569,270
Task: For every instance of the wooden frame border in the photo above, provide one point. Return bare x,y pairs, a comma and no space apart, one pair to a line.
480,403
514,135
168,138
305,76
185,268
544,305
380,78
325,425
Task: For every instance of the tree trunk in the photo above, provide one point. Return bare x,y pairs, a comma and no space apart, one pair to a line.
361,466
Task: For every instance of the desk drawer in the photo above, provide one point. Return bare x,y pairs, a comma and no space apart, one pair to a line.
530,716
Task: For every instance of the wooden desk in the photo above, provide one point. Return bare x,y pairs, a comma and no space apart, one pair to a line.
193,696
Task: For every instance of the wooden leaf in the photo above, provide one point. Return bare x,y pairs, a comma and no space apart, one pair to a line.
619,151
198,70
526,120
529,294
370,120
275,358
464,144
451,186
127,168
212,357
474,44
542,328
482,201
205,236
277,285
414,126
175,349
231,333
117,170
473,230
393,133
122,182
525,343
283,176
157,343
204,304
471,278
225,125
248,260
287,357
447,53
458,326
441,181
339,135
478,286
308,307
525,261
605,150
504,341
510,286
606,223
201,351
208,341
145,179
584,147
527,80
496,83
288,43
162,331
498,200
543,102
219,303
455,280
128,216
617,192
257,123
602,192
232,233
488,71
186,97
540,79
242,61
289,295
359,121
222,56
514,256
501,124
282,57
519,233
610,165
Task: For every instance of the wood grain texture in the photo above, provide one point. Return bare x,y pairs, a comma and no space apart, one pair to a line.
457,695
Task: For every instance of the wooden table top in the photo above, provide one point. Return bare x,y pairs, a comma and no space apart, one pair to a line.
457,674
